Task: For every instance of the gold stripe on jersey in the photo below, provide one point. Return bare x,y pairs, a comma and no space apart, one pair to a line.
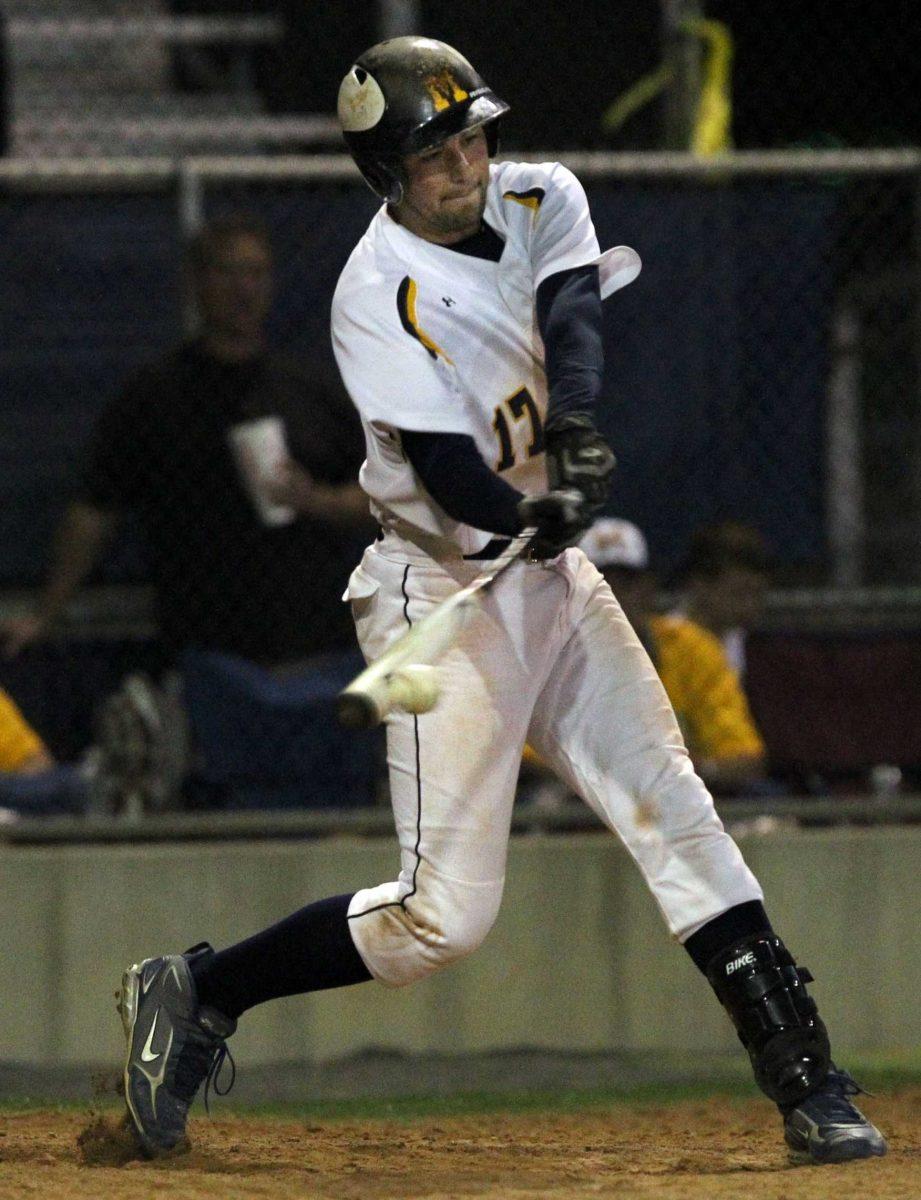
532,198
406,307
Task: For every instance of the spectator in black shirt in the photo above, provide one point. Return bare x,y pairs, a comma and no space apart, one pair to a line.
225,578
249,555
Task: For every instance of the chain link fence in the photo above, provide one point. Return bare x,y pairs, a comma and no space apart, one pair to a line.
764,368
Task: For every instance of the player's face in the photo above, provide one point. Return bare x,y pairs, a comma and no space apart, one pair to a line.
234,287
445,191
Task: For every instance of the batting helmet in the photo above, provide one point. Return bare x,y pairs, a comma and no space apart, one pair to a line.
406,95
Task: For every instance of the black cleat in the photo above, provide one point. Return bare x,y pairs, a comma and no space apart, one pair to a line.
174,1045
827,1128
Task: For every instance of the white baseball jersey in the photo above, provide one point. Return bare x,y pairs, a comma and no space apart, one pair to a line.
429,339
432,339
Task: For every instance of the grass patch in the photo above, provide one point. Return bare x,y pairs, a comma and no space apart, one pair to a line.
879,1076
877,1073
411,1108
462,1104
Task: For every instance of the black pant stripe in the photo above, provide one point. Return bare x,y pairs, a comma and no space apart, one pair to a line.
412,891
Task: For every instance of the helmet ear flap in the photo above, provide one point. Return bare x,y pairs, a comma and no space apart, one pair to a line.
492,138
386,181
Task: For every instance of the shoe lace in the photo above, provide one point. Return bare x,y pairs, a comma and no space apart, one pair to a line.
221,1055
845,1084
831,1103
203,1058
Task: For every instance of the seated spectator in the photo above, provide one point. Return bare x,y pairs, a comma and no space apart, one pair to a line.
713,715
724,583
31,782
712,711
22,751
240,468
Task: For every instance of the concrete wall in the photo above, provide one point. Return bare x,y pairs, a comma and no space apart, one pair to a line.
579,959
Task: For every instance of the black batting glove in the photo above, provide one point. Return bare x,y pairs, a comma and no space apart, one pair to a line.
579,457
560,517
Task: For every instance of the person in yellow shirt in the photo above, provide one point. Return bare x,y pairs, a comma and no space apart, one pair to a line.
718,727
22,751
724,584
32,782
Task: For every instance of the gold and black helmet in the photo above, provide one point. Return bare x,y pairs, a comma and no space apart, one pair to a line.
406,95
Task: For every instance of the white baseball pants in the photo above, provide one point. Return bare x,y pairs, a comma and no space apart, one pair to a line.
550,659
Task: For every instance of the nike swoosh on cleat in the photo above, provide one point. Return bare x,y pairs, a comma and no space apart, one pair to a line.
147,1054
155,1080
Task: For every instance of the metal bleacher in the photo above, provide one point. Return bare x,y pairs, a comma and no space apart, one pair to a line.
100,82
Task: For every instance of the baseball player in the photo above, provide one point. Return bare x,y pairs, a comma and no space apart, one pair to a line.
467,328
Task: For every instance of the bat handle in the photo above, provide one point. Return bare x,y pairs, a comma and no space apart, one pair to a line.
356,710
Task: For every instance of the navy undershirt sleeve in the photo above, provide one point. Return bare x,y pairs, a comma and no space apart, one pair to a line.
457,478
450,465
569,319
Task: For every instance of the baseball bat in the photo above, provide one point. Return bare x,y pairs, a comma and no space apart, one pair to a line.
386,683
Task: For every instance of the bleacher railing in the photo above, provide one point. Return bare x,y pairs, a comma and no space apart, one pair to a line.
244,30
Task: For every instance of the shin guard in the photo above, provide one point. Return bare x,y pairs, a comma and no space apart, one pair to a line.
763,990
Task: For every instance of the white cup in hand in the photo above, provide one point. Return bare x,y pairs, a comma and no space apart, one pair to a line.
261,452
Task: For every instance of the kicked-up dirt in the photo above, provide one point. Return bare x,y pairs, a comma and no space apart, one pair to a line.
699,1150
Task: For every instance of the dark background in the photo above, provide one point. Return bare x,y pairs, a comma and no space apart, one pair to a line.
714,407
718,355
814,72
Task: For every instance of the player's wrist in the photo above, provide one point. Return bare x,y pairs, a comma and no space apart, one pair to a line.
579,457
560,423
561,517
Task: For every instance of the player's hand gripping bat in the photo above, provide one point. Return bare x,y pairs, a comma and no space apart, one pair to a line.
403,676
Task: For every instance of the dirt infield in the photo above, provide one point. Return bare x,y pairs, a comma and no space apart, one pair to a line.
709,1149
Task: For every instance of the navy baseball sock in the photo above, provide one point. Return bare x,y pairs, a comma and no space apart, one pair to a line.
307,952
729,927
